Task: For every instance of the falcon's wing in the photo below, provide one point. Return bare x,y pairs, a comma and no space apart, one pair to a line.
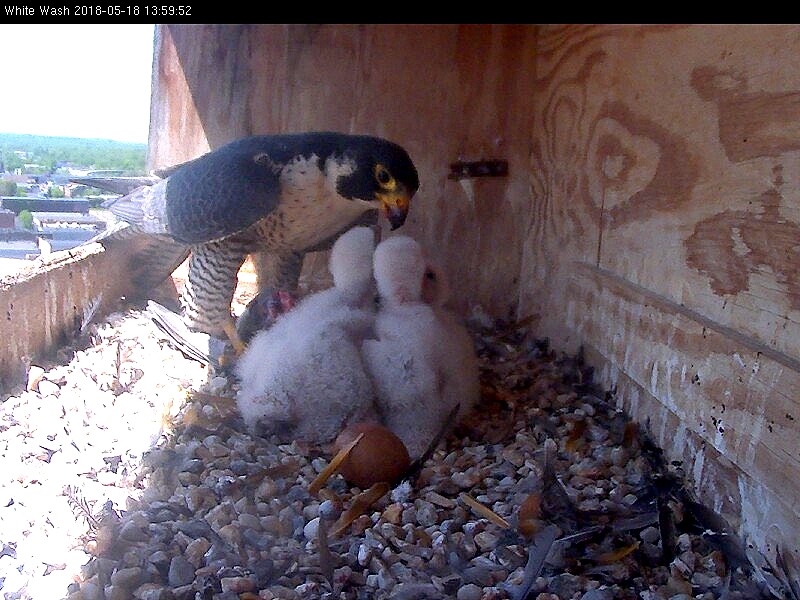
210,198
146,260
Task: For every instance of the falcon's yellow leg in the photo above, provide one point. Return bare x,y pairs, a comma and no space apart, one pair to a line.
229,328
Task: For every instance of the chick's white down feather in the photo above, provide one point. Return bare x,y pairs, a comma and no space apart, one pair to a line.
459,359
421,352
305,375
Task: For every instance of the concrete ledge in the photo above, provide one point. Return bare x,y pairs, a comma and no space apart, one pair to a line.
43,304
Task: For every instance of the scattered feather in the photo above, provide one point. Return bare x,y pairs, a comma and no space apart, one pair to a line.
416,466
326,562
483,511
403,492
360,505
790,572
333,466
575,436
606,558
635,522
89,311
666,527
630,435
537,554
81,508
529,513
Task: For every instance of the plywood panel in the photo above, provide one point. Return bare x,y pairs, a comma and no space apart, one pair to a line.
176,131
695,158
663,239
563,220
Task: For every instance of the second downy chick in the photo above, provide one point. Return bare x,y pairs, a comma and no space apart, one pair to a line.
408,360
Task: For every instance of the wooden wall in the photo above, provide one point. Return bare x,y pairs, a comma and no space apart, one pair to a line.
664,237
650,214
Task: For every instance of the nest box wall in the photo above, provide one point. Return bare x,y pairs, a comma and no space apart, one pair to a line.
649,212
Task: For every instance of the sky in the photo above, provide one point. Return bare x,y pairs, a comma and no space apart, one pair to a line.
86,81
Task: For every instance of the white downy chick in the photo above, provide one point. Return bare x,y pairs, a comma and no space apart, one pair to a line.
304,376
406,359
459,360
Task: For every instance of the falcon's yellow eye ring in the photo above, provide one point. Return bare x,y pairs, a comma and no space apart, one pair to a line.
384,178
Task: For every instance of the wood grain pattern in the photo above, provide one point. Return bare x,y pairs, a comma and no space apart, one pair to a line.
680,146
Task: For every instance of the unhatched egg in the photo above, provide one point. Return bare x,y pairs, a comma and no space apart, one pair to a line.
379,456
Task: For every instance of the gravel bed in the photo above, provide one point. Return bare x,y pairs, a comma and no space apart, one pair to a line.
128,474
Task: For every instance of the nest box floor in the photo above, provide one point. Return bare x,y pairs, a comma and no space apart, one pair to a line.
128,474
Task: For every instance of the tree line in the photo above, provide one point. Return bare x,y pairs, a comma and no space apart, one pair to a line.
49,151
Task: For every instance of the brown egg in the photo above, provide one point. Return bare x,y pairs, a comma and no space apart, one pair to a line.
379,456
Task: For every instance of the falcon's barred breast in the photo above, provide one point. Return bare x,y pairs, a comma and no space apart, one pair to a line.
274,196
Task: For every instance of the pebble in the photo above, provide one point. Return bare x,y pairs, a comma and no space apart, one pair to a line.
237,585
249,521
393,513
650,535
605,594
440,500
48,388
181,571
133,533
486,541
311,529
35,375
469,592
427,514
128,578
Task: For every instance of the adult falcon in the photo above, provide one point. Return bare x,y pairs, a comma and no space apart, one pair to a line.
277,196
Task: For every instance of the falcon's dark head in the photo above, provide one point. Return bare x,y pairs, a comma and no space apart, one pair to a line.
384,176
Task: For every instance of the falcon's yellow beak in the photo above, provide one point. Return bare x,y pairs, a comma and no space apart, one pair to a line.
394,205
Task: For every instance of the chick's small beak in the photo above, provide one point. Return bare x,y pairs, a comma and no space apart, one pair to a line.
395,207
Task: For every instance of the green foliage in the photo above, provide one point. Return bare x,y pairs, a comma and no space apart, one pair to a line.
55,192
8,188
93,153
26,219
83,191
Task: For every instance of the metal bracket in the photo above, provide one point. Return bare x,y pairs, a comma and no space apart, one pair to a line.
480,168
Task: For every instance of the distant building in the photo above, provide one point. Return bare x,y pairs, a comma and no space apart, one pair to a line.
17,204
62,220
15,178
6,219
107,173
62,231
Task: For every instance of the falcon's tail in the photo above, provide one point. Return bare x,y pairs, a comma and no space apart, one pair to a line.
143,207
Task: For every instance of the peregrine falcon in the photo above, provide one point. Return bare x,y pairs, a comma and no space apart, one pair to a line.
274,196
